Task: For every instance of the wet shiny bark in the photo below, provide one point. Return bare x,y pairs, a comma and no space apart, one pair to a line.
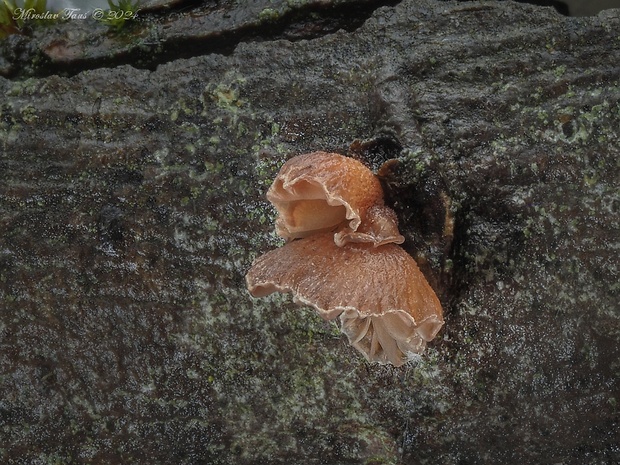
132,178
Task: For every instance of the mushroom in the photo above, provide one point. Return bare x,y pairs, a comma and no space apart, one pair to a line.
322,191
387,308
378,228
342,259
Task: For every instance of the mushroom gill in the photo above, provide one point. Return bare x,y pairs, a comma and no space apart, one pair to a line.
322,191
387,308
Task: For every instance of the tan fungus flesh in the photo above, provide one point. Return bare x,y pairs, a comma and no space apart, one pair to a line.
318,191
378,228
386,306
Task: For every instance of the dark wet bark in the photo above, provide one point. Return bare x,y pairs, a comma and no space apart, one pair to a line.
132,203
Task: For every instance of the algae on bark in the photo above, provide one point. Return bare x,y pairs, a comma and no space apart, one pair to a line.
132,203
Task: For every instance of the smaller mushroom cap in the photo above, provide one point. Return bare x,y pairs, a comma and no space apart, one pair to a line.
378,228
320,191
387,307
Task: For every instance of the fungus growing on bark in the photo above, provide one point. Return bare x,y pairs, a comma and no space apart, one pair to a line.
378,228
342,258
387,308
322,191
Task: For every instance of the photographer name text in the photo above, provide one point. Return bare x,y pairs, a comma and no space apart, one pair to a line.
29,14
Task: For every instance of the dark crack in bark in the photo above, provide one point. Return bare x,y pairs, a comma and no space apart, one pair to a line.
183,31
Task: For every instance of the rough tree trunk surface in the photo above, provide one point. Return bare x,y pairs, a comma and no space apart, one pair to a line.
132,204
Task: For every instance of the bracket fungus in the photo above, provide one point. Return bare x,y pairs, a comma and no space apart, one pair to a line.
342,258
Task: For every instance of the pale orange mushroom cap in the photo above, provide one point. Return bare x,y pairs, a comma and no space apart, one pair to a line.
321,191
380,226
387,308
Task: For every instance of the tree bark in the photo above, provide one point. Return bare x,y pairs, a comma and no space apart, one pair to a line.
132,178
